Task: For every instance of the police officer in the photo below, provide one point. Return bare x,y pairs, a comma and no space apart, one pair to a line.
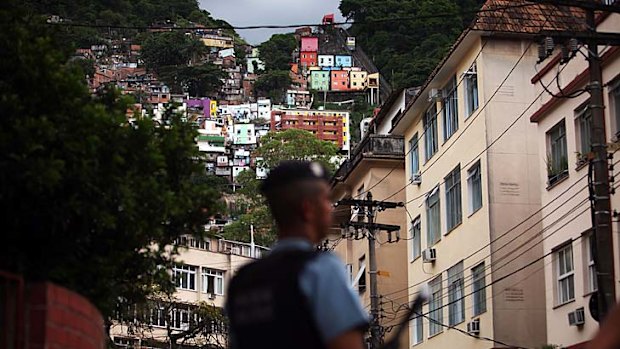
296,297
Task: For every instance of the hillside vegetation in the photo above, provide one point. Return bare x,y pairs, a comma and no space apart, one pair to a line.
407,50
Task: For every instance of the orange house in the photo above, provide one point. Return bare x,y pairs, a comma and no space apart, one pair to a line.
339,80
307,59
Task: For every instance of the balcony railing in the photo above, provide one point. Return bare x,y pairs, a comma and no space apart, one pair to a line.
374,146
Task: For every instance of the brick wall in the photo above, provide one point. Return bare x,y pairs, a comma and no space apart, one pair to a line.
57,318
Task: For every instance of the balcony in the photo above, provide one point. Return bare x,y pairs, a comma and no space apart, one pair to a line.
374,147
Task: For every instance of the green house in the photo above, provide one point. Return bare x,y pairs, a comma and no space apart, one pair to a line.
319,80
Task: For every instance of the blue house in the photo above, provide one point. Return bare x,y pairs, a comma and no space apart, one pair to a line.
343,61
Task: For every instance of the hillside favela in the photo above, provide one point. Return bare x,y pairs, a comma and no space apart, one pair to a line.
334,174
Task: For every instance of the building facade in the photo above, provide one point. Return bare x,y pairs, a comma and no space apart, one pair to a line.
339,80
563,136
320,80
202,274
307,59
326,125
473,197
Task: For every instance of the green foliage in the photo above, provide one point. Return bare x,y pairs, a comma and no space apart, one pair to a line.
168,54
273,84
84,193
293,144
406,51
276,52
87,66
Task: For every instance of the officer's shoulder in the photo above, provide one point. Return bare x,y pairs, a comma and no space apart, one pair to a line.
326,261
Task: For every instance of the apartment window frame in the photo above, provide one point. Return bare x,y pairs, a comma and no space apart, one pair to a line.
416,238
185,277
454,202
474,187
472,101
450,109
417,326
456,294
557,155
361,283
414,156
218,280
614,104
433,217
479,293
158,317
565,274
435,307
583,122
429,121
591,282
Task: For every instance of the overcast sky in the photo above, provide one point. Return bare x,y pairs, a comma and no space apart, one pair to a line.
278,12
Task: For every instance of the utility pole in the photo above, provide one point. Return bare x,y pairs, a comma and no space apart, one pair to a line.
603,253
370,207
603,256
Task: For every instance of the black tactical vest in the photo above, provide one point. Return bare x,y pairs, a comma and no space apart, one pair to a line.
266,307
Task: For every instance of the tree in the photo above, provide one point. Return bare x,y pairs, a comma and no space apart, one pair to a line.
85,195
172,48
273,84
276,52
197,80
291,144
407,50
198,325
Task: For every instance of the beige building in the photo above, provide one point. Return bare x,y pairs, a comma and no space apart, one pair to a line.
202,274
563,142
376,157
473,188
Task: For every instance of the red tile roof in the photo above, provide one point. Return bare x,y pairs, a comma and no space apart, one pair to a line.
526,17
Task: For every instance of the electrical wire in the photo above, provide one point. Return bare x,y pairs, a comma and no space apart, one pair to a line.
440,111
291,26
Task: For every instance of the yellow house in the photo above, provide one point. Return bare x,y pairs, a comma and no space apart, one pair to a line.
217,41
213,108
358,79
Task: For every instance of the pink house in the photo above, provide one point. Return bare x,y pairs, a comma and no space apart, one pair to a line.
309,44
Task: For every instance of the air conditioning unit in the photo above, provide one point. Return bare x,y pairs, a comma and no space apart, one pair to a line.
416,178
577,317
434,94
429,255
473,327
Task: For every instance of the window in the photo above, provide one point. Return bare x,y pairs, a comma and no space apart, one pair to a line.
479,289
471,90
433,221
614,104
158,317
456,284
430,131
414,157
361,284
453,198
179,319
450,110
557,158
349,269
590,245
417,331
565,274
416,239
435,309
474,185
185,277
213,281
583,121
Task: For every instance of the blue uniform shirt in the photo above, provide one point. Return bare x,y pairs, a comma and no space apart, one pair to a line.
334,305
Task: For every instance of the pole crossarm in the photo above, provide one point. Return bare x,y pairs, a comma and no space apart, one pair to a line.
584,4
373,226
600,38
369,203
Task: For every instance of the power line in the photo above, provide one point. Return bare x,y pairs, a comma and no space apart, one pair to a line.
291,26
443,106
508,254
